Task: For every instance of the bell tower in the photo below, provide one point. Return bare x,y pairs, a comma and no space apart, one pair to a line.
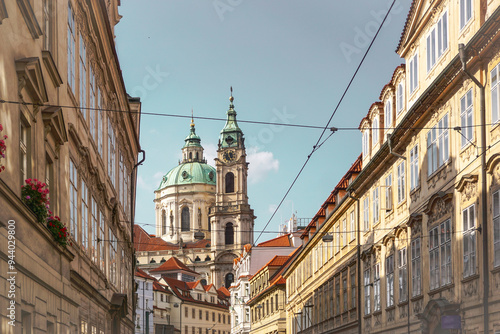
232,219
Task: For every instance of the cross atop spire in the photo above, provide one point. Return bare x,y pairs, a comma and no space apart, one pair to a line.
192,118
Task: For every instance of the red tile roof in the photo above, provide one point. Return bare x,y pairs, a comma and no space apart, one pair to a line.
143,274
144,241
277,278
342,185
276,261
225,292
172,264
182,291
406,27
248,248
157,286
281,241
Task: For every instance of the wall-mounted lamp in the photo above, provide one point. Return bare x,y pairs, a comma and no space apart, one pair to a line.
327,237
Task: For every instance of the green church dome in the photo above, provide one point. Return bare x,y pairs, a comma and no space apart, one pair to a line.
189,173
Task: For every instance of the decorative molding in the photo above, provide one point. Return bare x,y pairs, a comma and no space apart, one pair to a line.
438,206
493,168
29,75
29,18
51,67
467,186
415,224
54,119
470,288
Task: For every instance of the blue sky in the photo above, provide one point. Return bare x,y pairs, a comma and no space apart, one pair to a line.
288,61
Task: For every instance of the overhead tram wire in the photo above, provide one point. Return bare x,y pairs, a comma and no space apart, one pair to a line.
293,125
315,147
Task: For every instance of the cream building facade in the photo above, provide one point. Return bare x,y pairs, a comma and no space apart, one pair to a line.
426,201
267,301
60,77
251,260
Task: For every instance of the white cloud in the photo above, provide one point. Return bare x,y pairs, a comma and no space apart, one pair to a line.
210,153
158,176
141,183
261,164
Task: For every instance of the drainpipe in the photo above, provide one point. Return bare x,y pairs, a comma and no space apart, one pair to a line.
358,261
484,233
390,148
132,214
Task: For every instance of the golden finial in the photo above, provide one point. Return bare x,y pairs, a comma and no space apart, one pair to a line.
231,98
192,118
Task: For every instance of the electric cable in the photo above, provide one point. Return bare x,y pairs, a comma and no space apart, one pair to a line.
330,119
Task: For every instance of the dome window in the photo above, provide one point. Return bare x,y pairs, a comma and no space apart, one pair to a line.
185,225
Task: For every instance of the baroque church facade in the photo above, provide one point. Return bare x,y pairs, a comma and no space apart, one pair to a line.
203,217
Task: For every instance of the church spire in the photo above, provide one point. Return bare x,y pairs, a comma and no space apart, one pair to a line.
231,135
192,150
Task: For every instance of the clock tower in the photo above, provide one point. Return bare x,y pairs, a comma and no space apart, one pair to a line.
231,219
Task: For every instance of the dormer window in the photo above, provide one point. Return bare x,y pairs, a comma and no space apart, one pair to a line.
388,114
400,98
437,41
366,143
375,130
465,12
413,78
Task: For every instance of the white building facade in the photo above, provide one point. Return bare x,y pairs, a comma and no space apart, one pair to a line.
144,315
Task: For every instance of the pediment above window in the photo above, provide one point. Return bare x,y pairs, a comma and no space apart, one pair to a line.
415,223
493,168
467,186
30,18
29,75
51,67
53,121
439,206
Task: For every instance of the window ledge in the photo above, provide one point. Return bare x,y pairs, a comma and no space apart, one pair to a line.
403,303
416,298
495,125
439,169
470,278
414,190
495,270
390,308
441,289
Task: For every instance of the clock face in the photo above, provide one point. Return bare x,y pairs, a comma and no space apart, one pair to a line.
229,156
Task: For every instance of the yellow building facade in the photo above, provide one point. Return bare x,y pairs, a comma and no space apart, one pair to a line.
428,192
267,303
60,82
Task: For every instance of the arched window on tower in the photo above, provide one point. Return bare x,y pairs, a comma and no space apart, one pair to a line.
229,280
185,225
163,222
190,155
229,183
197,156
229,234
